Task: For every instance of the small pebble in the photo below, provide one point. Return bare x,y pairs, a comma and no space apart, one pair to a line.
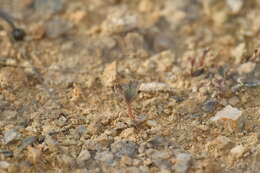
61,121
158,141
163,164
48,7
10,136
121,148
209,106
231,118
4,164
154,86
161,155
127,132
50,141
120,21
237,152
235,5
27,141
228,112
18,34
151,123
81,129
183,162
57,27
246,67
84,155
105,156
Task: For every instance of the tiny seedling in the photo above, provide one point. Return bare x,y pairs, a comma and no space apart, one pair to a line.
197,67
17,34
129,92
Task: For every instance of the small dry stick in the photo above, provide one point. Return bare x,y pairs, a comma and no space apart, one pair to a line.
130,112
197,66
129,92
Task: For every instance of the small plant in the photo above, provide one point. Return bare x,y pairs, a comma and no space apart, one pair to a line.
17,34
197,67
128,91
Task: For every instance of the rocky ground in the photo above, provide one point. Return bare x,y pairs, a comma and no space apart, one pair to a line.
196,105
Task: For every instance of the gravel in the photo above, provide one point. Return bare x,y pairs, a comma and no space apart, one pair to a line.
121,148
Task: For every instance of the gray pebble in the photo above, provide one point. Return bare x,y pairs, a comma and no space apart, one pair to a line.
163,164
27,141
105,156
121,148
10,136
158,141
84,155
48,7
183,162
209,106
57,27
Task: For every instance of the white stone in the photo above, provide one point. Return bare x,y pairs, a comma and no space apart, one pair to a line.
10,135
246,67
183,162
237,151
154,86
4,164
235,5
120,21
151,123
228,112
84,155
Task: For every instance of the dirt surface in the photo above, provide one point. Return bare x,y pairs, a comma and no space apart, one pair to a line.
66,89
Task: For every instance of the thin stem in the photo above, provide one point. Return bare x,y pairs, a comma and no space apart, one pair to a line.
130,112
202,59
